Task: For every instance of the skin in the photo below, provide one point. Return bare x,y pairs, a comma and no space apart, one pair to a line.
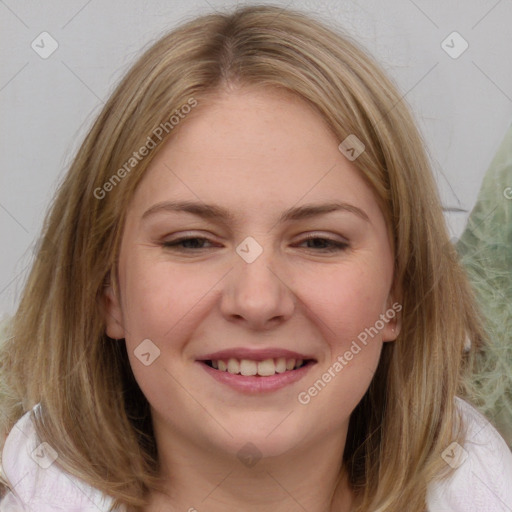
256,153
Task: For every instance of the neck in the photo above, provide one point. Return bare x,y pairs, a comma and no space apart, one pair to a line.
311,479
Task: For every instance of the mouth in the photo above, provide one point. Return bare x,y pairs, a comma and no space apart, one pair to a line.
254,372
264,368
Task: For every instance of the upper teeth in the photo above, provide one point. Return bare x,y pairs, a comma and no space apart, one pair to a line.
263,368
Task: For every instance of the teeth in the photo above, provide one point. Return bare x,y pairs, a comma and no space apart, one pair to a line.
281,365
265,368
248,367
233,366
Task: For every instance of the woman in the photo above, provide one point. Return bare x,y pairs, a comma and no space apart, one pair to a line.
245,297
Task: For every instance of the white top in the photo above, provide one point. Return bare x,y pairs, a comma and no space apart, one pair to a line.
481,482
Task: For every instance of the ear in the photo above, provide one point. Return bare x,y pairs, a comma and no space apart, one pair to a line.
392,317
112,311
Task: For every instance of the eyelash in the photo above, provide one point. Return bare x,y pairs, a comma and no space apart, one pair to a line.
336,246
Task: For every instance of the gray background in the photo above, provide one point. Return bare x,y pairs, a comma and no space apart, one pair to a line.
463,105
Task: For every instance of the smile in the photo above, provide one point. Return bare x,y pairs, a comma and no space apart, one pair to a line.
248,367
251,377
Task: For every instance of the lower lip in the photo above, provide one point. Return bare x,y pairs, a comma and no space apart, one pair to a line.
255,384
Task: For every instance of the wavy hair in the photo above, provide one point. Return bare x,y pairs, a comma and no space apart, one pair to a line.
407,417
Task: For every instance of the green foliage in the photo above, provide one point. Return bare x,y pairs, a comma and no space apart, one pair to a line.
485,249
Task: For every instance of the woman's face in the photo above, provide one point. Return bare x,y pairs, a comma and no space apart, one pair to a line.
247,179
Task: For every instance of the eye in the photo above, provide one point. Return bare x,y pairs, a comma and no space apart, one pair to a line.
325,244
316,242
187,243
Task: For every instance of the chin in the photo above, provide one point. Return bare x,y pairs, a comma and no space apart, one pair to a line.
261,440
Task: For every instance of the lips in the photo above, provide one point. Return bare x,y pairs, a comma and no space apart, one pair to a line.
254,354
260,363
255,384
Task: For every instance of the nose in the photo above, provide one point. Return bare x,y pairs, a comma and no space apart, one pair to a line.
256,295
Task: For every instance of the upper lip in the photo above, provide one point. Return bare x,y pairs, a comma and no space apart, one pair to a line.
253,354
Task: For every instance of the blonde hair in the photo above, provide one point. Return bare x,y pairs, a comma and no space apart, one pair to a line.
60,355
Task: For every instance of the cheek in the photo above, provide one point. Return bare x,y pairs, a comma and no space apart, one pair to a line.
159,298
347,299
346,305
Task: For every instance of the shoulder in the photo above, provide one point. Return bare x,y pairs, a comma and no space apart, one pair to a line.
36,481
482,476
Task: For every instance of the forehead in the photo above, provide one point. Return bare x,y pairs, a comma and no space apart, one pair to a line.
253,149
254,126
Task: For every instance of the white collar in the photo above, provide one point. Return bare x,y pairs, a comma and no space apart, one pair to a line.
37,483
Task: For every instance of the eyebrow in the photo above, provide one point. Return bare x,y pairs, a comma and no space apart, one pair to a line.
210,211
